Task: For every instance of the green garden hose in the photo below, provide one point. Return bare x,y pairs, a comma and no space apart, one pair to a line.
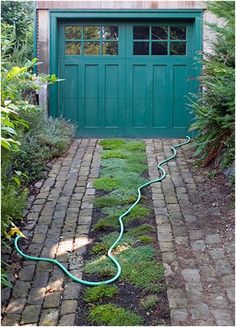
108,281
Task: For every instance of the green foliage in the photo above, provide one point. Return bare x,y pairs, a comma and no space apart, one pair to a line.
212,174
111,221
99,248
28,139
125,194
119,154
112,166
149,301
145,239
108,201
110,238
101,292
47,138
13,203
17,26
106,183
127,180
111,144
17,54
214,109
119,180
111,315
114,211
4,279
139,267
124,154
106,223
141,230
136,167
138,212
15,81
232,180
138,158
134,146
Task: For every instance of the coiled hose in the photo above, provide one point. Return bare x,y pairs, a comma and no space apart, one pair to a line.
108,281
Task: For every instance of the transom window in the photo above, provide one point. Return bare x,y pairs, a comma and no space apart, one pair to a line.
159,40
91,40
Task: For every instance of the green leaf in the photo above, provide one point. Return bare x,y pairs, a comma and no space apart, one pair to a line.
5,144
9,130
16,180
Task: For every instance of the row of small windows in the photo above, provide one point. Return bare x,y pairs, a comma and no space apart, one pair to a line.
104,40
159,33
159,40
159,48
91,48
91,40
77,32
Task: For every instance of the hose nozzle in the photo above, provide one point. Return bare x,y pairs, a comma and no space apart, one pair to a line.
13,232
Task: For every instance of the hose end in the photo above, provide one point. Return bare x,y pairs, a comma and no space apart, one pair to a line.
13,232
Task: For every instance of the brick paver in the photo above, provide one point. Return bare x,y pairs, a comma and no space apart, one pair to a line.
199,268
57,224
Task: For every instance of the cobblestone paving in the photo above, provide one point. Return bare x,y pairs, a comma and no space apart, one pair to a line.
199,269
57,222
199,272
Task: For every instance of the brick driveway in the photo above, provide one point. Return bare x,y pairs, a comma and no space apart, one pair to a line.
199,269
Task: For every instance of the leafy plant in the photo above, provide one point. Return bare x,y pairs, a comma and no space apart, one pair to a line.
111,315
28,139
111,144
141,230
111,221
106,183
214,108
47,138
100,292
99,248
139,267
149,301
4,279
106,223
145,239
119,154
18,16
134,146
107,201
110,238
13,203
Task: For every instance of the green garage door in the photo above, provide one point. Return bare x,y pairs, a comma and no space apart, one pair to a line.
126,79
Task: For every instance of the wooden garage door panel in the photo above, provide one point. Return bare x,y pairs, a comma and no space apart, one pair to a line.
161,104
139,96
111,96
180,93
91,96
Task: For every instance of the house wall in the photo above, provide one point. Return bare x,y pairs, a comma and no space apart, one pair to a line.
43,7
126,4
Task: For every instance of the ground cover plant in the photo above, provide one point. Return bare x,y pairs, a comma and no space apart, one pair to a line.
140,291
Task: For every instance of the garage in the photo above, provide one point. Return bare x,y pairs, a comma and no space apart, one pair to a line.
126,78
